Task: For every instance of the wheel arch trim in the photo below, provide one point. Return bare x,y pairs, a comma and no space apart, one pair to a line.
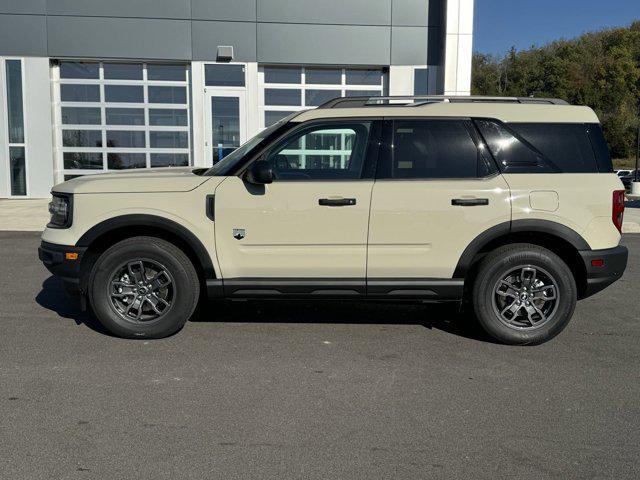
504,229
154,221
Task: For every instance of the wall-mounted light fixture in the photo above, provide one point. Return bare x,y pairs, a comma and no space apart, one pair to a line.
225,53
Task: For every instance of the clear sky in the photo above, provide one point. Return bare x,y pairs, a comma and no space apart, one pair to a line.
501,24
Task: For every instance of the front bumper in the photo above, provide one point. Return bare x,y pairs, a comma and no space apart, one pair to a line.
64,262
613,263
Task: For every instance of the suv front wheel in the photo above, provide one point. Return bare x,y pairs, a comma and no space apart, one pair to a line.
524,294
143,287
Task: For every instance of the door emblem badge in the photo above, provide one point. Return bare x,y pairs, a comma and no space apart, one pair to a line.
238,233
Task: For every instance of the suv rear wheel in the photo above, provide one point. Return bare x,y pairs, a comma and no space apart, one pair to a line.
524,294
143,287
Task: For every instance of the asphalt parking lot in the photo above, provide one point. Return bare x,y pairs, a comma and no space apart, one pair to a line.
312,390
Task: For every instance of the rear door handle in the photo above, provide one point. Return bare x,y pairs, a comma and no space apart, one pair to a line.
469,202
336,202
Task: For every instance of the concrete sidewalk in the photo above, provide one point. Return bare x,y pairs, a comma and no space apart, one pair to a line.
33,215
24,215
632,217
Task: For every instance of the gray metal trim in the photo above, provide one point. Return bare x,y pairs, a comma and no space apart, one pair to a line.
326,12
385,288
103,37
27,7
169,9
323,44
335,32
23,35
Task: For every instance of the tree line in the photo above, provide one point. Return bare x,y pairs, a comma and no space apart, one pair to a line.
599,69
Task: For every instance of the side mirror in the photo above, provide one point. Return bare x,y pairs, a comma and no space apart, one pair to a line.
259,173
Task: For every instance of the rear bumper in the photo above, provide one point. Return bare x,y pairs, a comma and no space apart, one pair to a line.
614,262
55,259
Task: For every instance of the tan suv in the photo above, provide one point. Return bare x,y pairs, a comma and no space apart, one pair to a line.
510,203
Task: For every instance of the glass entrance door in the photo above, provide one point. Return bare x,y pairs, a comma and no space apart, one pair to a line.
226,123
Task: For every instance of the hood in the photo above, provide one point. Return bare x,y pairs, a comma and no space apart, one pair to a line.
146,180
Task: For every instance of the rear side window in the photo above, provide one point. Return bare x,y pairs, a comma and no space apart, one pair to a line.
547,147
566,146
512,154
600,148
431,149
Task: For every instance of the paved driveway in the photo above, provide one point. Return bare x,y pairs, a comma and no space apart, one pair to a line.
310,391
632,216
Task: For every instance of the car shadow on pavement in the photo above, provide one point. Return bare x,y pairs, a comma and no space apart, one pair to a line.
445,317
54,298
440,316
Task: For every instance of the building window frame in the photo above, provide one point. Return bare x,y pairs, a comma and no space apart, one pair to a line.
9,145
242,92
104,127
303,86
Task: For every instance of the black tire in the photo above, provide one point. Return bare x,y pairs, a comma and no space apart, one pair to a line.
526,326
181,293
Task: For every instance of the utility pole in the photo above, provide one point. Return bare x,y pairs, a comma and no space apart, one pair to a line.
636,174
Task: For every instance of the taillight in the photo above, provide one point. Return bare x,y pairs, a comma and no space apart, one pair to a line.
618,209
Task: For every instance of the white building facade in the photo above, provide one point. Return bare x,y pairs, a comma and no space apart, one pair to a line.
88,86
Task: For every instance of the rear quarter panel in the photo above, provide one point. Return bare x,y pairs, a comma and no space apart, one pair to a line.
584,203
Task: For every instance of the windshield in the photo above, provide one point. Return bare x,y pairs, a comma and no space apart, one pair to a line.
229,163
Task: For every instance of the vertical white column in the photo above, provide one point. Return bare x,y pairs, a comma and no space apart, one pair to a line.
198,114
401,80
56,124
4,148
253,114
38,126
458,47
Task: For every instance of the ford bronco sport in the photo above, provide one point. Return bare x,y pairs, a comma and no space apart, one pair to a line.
508,203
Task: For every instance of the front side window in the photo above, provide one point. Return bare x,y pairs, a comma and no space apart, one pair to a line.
431,149
326,152
230,164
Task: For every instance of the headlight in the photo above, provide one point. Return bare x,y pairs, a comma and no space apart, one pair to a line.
60,210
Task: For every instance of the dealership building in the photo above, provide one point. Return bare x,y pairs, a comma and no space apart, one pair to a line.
88,86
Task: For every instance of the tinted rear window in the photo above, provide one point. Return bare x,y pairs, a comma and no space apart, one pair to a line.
430,149
600,148
567,147
512,154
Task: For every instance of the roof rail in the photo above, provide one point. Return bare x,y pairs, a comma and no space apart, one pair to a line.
417,100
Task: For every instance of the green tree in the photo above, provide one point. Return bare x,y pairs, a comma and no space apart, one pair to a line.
598,69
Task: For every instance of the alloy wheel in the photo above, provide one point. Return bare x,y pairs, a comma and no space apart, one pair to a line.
141,290
526,297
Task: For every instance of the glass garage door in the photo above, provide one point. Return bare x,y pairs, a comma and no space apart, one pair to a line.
287,89
116,116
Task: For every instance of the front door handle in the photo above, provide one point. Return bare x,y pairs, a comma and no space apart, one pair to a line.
469,202
336,202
